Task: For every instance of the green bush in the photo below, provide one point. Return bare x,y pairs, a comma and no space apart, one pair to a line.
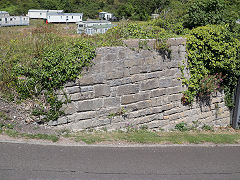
203,12
212,50
37,65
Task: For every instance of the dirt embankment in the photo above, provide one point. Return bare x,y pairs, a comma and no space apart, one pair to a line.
19,118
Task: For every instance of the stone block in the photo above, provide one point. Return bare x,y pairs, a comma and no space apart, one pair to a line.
156,124
123,54
176,41
72,90
84,124
172,111
159,92
62,120
112,102
86,80
182,48
89,105
142,120
137,77
52,123
86,88
127,89
101,90
82,116
174,90
110,57
82,96
174,97
165,82
149,84
171,72
69,108
114,75
134,70
70,84
127,99
139,113
152,75
130,63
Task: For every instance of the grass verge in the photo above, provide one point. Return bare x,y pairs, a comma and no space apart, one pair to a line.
15,134
149,137
136,136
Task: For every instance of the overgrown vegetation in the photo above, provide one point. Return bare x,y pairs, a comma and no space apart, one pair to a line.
213,62
37,61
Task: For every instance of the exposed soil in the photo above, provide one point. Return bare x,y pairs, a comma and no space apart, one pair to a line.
19,116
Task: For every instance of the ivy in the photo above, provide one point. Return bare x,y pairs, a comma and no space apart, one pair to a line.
212,50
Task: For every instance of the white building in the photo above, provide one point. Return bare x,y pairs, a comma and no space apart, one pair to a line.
155,16
4,14
105,16
93,27
64,17
40,13
7,20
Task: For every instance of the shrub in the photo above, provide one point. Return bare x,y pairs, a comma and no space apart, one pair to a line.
204,12
212,50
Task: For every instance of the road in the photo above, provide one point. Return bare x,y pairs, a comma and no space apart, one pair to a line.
47,162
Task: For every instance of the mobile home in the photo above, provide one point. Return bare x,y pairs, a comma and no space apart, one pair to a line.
105,16
93,27
64,17
41,13
7,20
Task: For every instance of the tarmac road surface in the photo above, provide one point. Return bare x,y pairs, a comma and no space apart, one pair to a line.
47,162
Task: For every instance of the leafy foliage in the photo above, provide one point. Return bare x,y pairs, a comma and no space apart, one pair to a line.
39,64
204,12
212,49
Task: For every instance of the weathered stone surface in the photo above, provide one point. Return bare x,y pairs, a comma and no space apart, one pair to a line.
165,82
62,120
149,84
101,90
71,90
144,83
112,102
82,96
89,105
127,89
69,108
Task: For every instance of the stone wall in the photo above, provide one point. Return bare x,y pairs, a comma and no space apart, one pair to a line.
128,86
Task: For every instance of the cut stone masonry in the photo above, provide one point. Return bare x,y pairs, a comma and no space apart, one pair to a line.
133,86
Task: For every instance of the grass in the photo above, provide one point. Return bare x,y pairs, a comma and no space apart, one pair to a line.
137,136
15,134
150,137
4,116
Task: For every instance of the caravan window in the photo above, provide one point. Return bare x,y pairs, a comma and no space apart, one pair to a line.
10,19
72,17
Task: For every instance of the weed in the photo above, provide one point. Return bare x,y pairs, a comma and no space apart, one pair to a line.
11,133
181,127
4,116
206,127
143,127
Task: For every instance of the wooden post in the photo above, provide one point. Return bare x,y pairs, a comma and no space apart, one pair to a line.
236,112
